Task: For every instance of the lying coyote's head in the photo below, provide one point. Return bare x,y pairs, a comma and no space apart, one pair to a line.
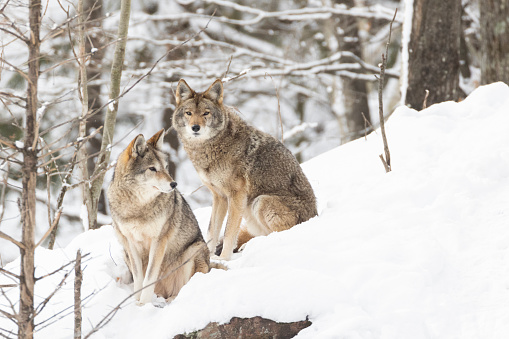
144,165
199,116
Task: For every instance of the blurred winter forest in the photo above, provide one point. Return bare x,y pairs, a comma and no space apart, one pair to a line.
302,70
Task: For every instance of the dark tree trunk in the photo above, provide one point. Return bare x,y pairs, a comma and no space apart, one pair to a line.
29,170
355,94
433,61
95,39
495,41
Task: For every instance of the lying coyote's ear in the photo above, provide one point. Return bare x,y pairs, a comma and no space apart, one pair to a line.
183,92
215,92
157,140
138,146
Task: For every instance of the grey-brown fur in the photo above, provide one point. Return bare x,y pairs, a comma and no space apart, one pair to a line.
153,221
249,172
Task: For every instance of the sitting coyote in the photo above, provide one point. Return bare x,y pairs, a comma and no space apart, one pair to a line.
154,223
250,173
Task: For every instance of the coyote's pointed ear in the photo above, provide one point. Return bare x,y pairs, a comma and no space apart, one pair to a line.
138,146
157,140
215,92
183,92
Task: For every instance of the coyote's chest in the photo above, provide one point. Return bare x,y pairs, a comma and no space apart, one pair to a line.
140,231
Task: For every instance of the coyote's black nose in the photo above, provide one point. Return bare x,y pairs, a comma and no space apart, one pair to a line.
173,184
195,128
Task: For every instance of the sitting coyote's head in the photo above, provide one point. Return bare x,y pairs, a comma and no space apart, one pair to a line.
199,116
143,164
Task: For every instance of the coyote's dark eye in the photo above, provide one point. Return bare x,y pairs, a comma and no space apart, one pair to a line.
188,113
153,169
206,113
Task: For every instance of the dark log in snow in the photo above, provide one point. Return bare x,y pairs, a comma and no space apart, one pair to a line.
256,327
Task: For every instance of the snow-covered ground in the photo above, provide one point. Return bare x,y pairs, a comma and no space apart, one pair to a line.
420,252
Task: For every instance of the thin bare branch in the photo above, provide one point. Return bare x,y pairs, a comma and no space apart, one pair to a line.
278,107
387,160
4,271
53,225
12,240
301,14
425,102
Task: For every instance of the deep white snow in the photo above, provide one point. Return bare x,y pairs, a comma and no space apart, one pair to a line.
421,252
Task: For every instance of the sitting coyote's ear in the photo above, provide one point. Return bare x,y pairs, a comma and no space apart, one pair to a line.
157,140
138,146
183,92
215,92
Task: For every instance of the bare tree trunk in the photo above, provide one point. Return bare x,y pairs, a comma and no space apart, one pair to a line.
83,91
29,170
93,10
111,114
93,42
495,41
77,296
344,30
355,94
433,62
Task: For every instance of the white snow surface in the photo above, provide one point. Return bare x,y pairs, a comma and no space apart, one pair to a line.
420,252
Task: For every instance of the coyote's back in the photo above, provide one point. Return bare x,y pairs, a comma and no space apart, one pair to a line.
250,173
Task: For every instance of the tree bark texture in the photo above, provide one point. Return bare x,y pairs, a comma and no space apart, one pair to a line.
29,171
354,97
243,328
111,114
93,12
433,61
494,41
355,94
78,278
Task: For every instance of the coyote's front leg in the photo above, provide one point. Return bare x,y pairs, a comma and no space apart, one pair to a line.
219,207
155,259
236,205
136,269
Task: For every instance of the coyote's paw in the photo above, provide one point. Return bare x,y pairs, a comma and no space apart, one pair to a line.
220,258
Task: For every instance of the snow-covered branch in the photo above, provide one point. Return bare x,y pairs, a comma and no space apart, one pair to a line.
301,14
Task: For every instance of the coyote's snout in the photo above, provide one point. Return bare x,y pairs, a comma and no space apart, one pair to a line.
251,174
153,222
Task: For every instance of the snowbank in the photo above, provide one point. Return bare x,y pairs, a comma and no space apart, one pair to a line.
420,252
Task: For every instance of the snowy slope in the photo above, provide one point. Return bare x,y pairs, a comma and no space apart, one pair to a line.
421,252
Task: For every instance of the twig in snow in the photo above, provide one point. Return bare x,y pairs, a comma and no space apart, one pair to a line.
424,103
366,123
387,160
